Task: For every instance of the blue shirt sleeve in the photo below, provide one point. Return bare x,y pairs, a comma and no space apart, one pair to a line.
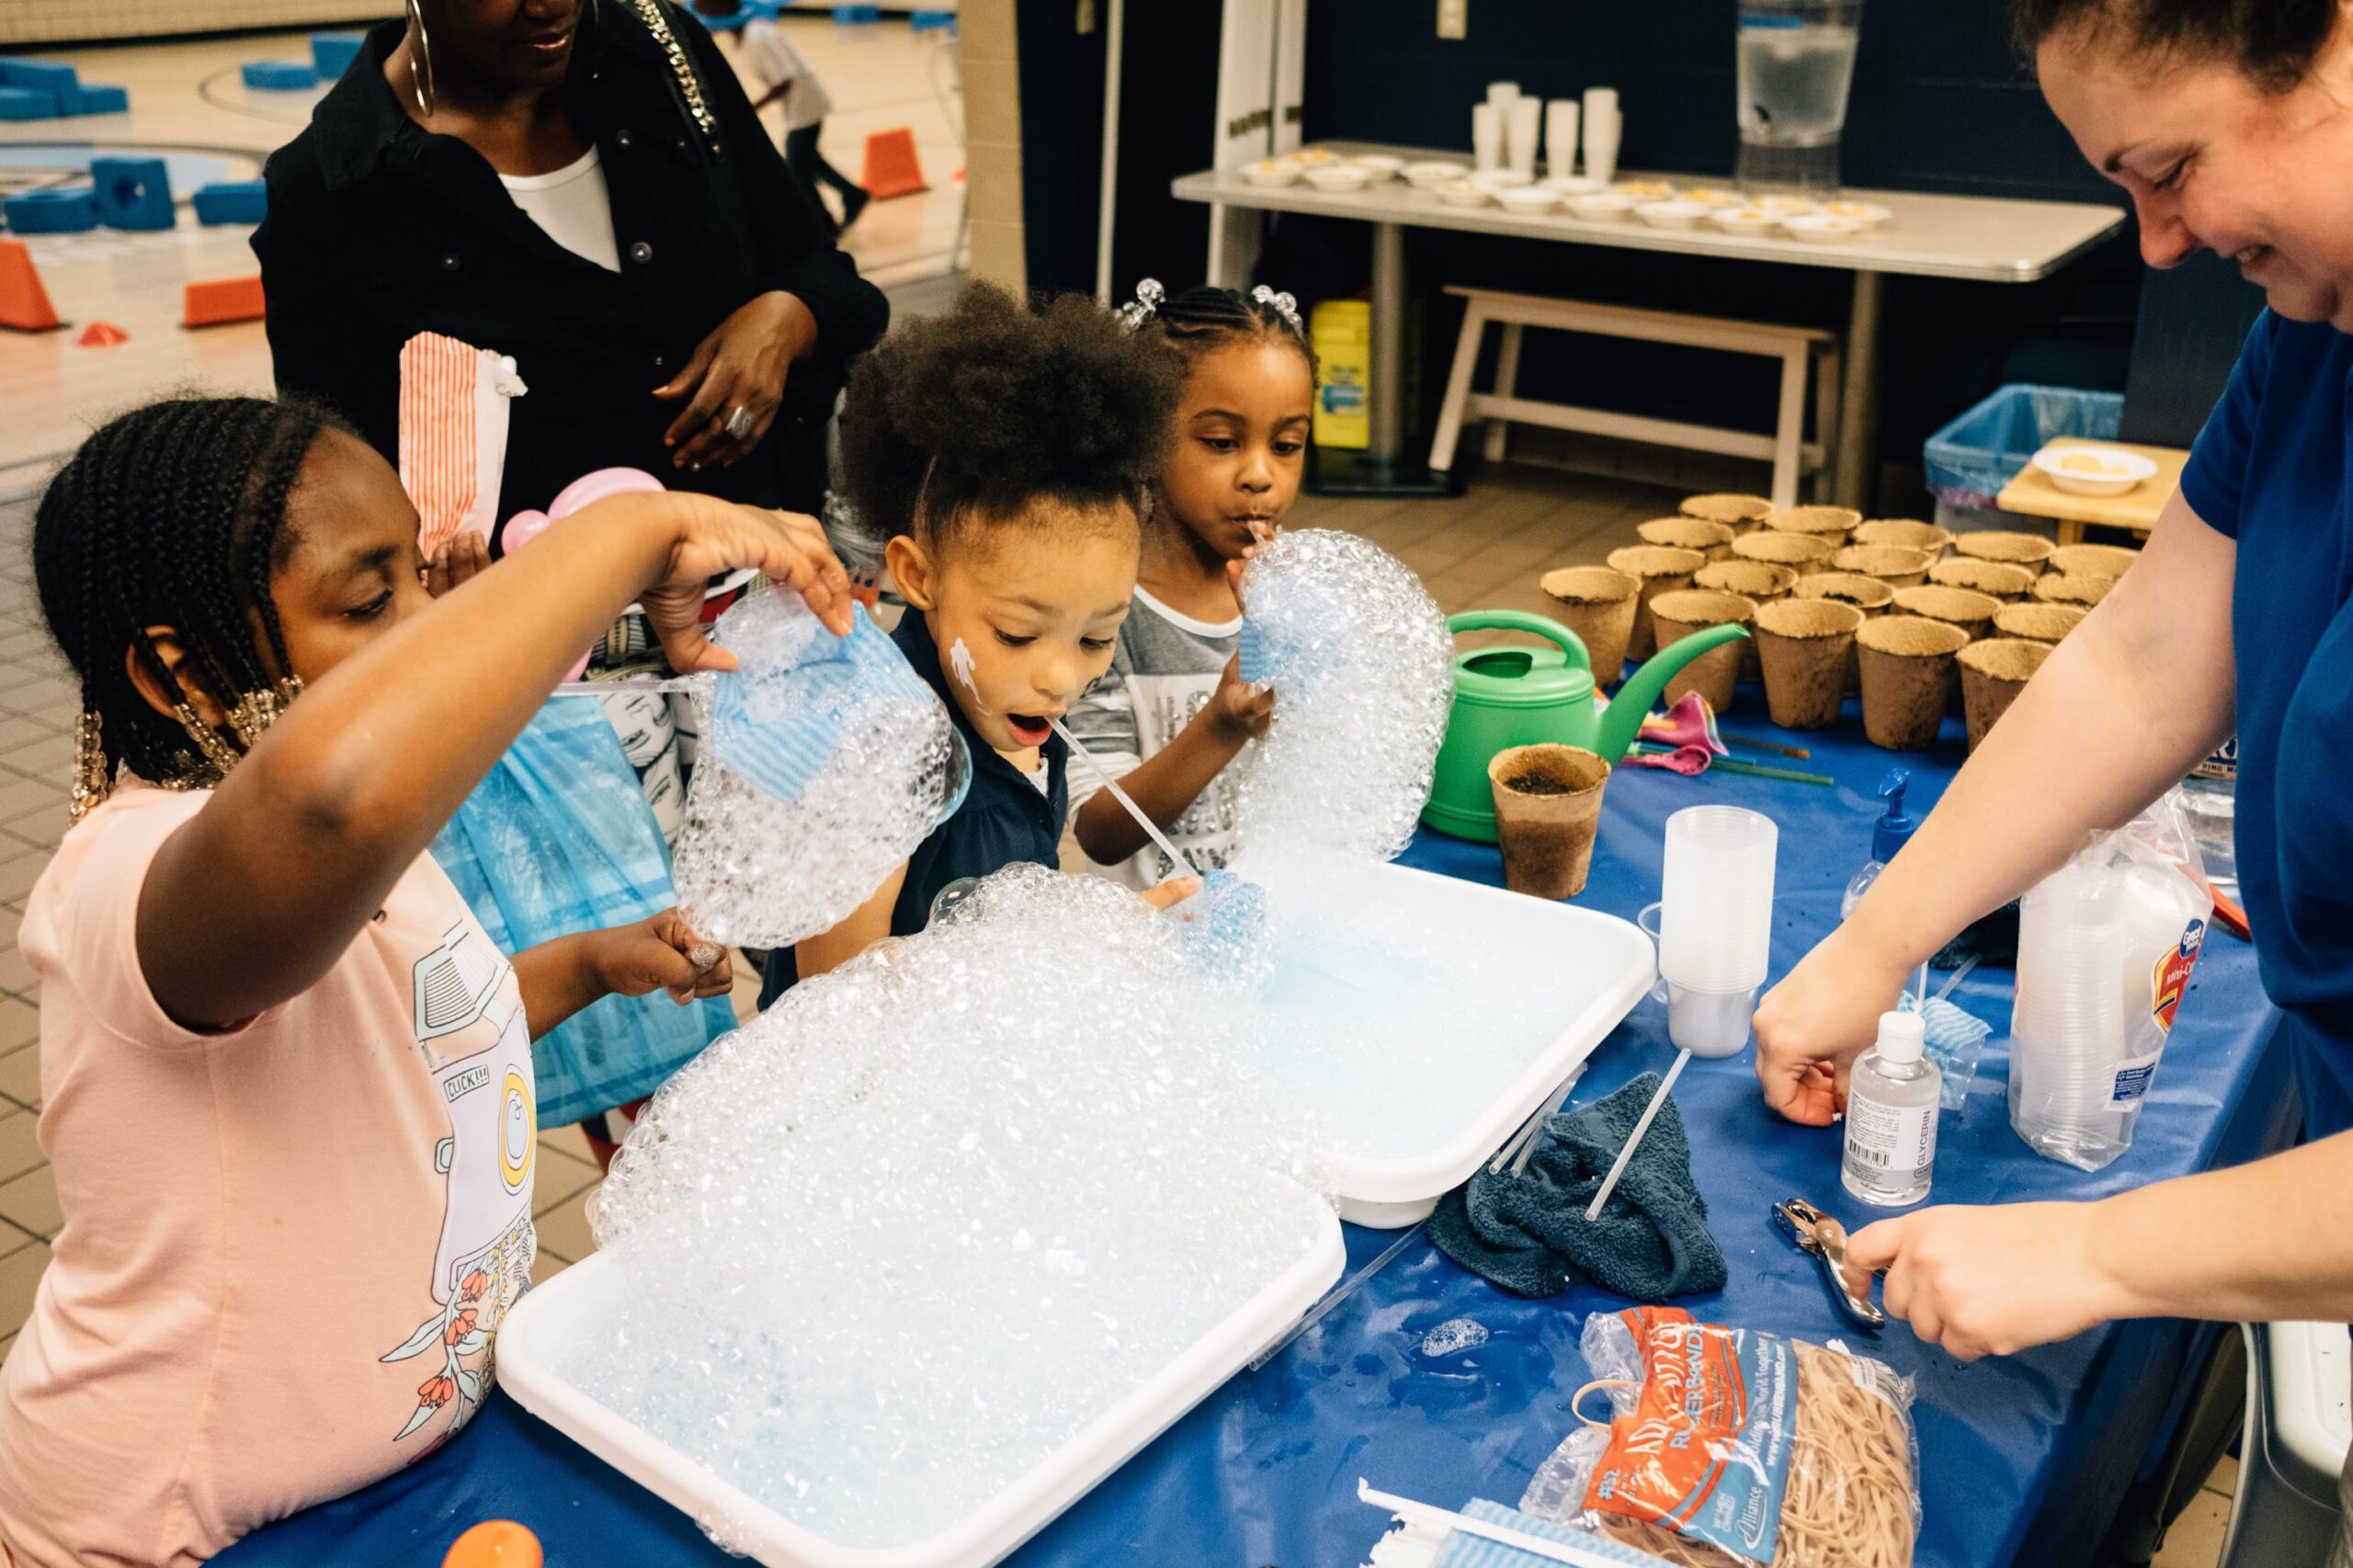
2215,475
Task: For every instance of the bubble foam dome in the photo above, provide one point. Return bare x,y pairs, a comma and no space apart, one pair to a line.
1362,667
824,761
893,1242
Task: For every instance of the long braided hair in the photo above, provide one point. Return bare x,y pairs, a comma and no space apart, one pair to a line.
173,514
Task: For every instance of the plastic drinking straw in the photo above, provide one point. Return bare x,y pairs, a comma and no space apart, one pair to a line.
1150,828
1633,1138
1525,1137
1333,1297
1756,743
1754,770
1602,1554
624,685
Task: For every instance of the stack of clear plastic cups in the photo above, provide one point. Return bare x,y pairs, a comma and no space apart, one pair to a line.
2067,1023
1715,924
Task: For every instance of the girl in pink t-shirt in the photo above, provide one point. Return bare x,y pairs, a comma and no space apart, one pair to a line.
285,1079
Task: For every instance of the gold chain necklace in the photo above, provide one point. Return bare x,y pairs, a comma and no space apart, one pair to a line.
649,12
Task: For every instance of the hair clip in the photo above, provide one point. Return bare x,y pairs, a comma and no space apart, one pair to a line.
1145,305
1285,306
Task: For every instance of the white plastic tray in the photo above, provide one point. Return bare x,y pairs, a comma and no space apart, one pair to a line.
580,1304
1586,971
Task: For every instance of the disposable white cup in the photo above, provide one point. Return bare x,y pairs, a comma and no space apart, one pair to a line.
1486,137
1502,93
1716,898
1601,128
1709,1023
1522,121
1561,139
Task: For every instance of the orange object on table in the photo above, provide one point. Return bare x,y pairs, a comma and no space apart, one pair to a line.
24,302
494,1544
218,300
101,334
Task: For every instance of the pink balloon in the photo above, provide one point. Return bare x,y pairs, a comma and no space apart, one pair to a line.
594,487
523,528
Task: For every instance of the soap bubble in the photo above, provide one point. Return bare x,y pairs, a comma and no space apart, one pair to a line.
1362,667
901,1236
823,762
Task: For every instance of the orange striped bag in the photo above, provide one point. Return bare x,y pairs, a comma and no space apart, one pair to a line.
453,435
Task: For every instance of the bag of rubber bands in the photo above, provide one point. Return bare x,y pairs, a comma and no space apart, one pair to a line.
1730,1449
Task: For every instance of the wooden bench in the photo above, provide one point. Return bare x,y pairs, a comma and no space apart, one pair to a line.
1800,350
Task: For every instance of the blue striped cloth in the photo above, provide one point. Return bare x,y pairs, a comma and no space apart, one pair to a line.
779,727
558,839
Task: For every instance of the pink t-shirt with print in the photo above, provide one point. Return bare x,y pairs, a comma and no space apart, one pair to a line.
286,1248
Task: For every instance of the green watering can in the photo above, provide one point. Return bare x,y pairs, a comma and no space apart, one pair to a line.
1518,696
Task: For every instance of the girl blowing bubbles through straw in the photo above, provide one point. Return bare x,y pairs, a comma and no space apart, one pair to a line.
287,1079
1007,454
1173,712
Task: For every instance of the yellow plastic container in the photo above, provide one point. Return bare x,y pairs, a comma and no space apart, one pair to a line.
1342,331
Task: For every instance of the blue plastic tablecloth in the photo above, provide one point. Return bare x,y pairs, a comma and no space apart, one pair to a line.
2024,1459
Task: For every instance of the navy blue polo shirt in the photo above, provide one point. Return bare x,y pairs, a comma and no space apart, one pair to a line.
2273,468
1004,819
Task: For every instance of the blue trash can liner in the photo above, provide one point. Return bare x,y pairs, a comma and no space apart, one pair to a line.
1973,457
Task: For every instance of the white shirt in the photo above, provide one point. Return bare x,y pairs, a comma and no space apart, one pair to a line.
572,206
780,66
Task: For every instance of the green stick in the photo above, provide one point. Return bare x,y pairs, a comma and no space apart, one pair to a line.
1755,743
1751,769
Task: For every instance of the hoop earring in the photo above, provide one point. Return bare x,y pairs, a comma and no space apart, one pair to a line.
420,64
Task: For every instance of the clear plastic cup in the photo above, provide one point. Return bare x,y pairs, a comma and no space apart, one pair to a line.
1716,899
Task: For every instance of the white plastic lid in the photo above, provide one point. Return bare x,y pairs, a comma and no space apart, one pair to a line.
1902,1037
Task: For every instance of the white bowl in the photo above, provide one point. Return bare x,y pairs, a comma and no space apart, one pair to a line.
1821,229
1501,179
1463,193
1870,214
1673,214
1576,184
1713,196
1745,221
1786,206
1338,178
1432,172
2093,470
1270,172
1379,165
1645,189
1528,198
1601,206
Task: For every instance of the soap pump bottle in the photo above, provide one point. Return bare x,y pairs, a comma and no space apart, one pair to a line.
1892,1098
1890,834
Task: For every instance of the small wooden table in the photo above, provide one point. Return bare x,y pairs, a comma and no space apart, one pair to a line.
2032,494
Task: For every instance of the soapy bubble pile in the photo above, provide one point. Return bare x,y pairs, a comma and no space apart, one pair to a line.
896,1240
824,761
1362,667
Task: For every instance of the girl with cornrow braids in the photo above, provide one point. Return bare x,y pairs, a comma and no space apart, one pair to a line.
287,1078
1173,712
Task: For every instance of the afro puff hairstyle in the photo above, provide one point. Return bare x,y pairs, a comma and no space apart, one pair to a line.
962,420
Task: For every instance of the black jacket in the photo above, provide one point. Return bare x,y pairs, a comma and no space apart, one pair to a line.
378,230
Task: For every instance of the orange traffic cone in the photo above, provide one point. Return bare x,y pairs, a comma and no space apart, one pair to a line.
891,168
102,334
219,299
23,303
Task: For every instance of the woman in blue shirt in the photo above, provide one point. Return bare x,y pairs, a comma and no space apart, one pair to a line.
2231,125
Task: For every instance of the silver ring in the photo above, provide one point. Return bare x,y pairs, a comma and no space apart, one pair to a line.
739,422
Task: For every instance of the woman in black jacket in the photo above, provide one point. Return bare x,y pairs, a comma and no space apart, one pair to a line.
581,186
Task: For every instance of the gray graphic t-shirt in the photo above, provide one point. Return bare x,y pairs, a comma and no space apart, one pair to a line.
1165,670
